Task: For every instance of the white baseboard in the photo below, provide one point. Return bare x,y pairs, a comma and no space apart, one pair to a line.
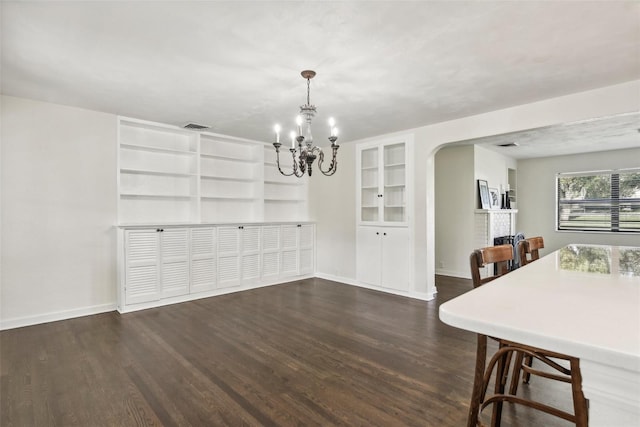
208,294
453,273
424,296
18,322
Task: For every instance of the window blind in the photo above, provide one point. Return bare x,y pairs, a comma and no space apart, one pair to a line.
599,201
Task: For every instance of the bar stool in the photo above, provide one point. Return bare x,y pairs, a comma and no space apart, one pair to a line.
500,361
529,247
527,252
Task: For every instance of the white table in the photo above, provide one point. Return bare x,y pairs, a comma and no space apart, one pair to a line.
589,315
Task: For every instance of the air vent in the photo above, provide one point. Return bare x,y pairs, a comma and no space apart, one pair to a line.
195,126
508,144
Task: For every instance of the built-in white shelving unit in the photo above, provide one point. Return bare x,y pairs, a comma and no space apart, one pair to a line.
171,175
285,197
382,184
202,214
383,235
157,173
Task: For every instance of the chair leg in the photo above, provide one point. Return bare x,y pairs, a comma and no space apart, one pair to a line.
501,373
478,381
515,378
528,360
580,404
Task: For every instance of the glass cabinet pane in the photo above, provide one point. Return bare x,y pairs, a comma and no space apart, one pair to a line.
394,183
369,209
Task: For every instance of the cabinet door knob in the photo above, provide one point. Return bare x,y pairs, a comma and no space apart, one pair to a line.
377,233
384,234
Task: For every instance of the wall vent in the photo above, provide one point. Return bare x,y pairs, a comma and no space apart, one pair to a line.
508,144
195,126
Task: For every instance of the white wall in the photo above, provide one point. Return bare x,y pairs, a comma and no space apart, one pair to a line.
616,99
59,197
455,202
492,167
58,212
537,196
458,167
332,203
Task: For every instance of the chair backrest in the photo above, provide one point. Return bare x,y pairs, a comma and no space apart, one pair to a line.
500,255
530,247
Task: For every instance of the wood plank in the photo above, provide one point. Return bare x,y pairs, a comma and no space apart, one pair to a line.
310,352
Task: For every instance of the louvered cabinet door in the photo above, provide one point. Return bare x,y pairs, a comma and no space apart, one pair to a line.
289,250
306,256
250,259
142,257
228,256
270,251
203,259
174,264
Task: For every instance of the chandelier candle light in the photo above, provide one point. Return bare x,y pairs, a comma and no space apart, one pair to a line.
304,155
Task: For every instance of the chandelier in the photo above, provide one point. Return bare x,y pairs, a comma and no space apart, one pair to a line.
305,153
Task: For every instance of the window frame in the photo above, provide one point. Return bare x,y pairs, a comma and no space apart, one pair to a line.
613,202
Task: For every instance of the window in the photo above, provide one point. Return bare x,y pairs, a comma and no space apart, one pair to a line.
599,201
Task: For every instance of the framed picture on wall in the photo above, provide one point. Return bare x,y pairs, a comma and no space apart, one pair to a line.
495,198
485,197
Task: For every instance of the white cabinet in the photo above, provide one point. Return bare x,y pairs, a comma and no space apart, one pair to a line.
383,257
162,265
271,251
298,249
383,193
174,261
238,255
384,206
157,264
228,256
141,269
250,255
203,259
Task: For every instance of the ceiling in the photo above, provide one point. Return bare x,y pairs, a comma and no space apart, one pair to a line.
585,136
382,66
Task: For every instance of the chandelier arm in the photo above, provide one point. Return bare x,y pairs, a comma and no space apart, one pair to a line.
333,166
277,146
299,173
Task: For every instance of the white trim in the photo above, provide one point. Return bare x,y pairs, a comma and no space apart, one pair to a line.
210,293
409,294
18,322
452,273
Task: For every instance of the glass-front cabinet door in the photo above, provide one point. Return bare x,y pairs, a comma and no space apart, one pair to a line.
369,185
393,193
382,185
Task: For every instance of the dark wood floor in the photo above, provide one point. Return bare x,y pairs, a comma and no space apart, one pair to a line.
312,352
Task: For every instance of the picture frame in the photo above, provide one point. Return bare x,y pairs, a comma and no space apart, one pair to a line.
494,196
485,197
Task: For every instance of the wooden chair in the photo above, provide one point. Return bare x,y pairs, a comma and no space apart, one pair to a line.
529,247
527,252
500,361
